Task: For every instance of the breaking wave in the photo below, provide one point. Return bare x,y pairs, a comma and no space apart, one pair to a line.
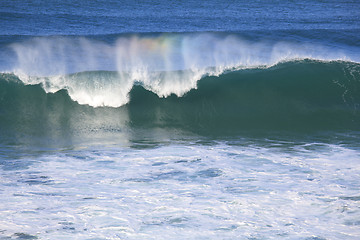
296,95
102,73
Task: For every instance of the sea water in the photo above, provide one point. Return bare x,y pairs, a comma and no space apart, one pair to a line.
179,120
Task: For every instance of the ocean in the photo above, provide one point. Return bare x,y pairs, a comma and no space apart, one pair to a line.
180,119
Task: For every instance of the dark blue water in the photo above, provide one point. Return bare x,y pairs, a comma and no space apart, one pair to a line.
113,17
179,119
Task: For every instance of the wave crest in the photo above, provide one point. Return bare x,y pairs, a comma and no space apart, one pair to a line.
165,64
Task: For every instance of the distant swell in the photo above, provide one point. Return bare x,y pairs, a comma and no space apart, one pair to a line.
293,96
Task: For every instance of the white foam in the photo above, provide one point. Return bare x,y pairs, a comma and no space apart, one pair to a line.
167,64
185,192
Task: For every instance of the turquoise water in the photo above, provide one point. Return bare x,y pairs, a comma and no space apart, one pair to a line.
168,120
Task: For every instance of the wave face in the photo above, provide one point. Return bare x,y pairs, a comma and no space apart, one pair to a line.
304,95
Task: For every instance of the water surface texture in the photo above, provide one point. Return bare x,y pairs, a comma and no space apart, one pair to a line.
180,120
